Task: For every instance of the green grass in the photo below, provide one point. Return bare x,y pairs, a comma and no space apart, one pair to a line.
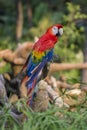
52,119
5,68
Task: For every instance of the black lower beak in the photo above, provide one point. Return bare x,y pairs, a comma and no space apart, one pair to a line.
58,34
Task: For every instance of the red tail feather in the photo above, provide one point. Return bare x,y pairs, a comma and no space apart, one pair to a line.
25,79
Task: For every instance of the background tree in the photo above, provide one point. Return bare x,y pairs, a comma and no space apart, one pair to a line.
29,13
19,20
84,72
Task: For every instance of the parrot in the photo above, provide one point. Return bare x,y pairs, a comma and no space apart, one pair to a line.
40,55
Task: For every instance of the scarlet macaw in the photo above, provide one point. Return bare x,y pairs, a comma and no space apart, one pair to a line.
41,53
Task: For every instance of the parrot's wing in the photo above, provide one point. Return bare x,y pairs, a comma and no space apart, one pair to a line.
37,69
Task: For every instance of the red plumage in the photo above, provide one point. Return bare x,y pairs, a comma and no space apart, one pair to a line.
45,42
48,40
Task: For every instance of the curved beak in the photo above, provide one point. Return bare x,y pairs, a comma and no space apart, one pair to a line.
60,32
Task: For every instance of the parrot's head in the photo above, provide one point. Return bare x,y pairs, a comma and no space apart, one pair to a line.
56,30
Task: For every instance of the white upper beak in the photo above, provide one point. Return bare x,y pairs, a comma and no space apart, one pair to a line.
61,31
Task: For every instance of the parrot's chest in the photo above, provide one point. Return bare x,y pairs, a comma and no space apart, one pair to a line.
37,56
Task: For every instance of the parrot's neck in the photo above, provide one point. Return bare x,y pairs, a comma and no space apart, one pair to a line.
52,37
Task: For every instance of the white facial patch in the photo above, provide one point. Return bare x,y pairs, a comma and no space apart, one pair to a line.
54,30
61,31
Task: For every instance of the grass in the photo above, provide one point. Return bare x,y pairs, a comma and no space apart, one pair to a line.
52,119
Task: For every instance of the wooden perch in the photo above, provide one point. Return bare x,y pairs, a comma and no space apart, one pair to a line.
56,84
54,67
41,101
53,94
19,56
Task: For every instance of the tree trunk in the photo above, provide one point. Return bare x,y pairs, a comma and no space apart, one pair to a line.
29,12
19,20
84,72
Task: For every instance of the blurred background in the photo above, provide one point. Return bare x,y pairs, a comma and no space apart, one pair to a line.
23,20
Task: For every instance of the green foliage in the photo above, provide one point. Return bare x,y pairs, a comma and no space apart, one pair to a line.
53,119
73,36
40,11
70,46
6,68
43,24
82,3
7,43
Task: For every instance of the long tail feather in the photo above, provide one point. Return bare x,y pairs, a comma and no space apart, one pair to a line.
30,93
25,79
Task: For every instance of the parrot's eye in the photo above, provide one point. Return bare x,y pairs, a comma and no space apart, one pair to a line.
61,31
54,30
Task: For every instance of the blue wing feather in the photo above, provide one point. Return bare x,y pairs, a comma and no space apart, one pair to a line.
34,69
